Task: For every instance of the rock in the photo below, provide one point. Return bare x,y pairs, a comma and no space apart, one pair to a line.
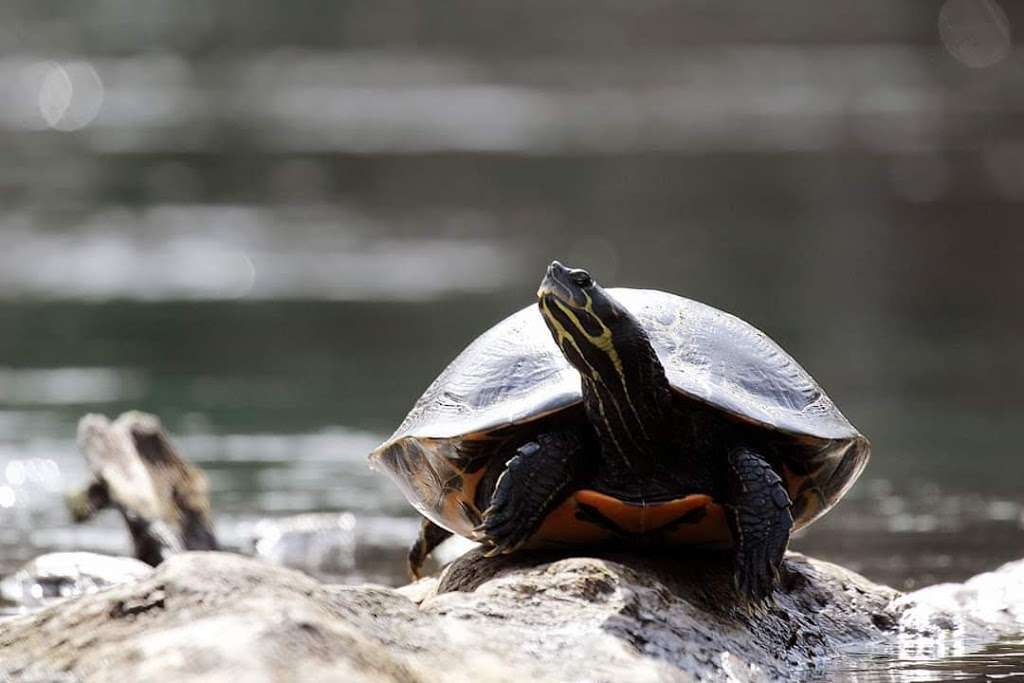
340,547
319,543
219,617
57,576
988,603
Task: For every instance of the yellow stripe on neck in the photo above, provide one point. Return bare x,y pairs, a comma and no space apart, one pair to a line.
602,341
563,334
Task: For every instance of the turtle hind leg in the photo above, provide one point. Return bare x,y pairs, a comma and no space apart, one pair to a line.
431,536
534,482
760,520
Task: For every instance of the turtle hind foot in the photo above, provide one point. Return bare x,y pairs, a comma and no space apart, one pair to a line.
431,536
760,521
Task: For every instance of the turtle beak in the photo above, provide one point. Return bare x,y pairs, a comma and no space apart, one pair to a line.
555,282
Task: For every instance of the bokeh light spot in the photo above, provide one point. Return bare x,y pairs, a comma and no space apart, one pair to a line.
15,472
70,95
55,94
975,32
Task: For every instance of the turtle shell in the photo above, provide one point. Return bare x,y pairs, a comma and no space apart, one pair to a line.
513,378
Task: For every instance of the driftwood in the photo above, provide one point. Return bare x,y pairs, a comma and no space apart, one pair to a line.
136,470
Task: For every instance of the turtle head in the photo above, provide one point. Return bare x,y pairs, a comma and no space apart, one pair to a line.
578,311
592,329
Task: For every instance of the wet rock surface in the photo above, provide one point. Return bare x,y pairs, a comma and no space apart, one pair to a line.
56,576
215,616
992,602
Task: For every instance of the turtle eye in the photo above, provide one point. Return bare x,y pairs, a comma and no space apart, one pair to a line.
581,278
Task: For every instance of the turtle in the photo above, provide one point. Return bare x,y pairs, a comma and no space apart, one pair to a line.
632,417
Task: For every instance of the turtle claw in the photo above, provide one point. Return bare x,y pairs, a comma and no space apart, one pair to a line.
502,530
533,483
509,520
755,577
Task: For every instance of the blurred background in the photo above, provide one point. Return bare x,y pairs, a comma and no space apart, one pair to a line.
273,227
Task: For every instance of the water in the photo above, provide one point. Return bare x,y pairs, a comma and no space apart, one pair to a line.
273,232
955,661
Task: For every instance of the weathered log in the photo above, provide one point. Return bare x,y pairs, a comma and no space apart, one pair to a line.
136,470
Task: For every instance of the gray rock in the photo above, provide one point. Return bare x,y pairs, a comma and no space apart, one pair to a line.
220,617
989,603
339,547
318,543
57,576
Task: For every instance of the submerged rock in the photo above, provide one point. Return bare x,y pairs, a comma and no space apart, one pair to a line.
220,617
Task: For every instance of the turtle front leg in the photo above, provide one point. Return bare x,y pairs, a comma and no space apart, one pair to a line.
533,484
431,536
760,520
